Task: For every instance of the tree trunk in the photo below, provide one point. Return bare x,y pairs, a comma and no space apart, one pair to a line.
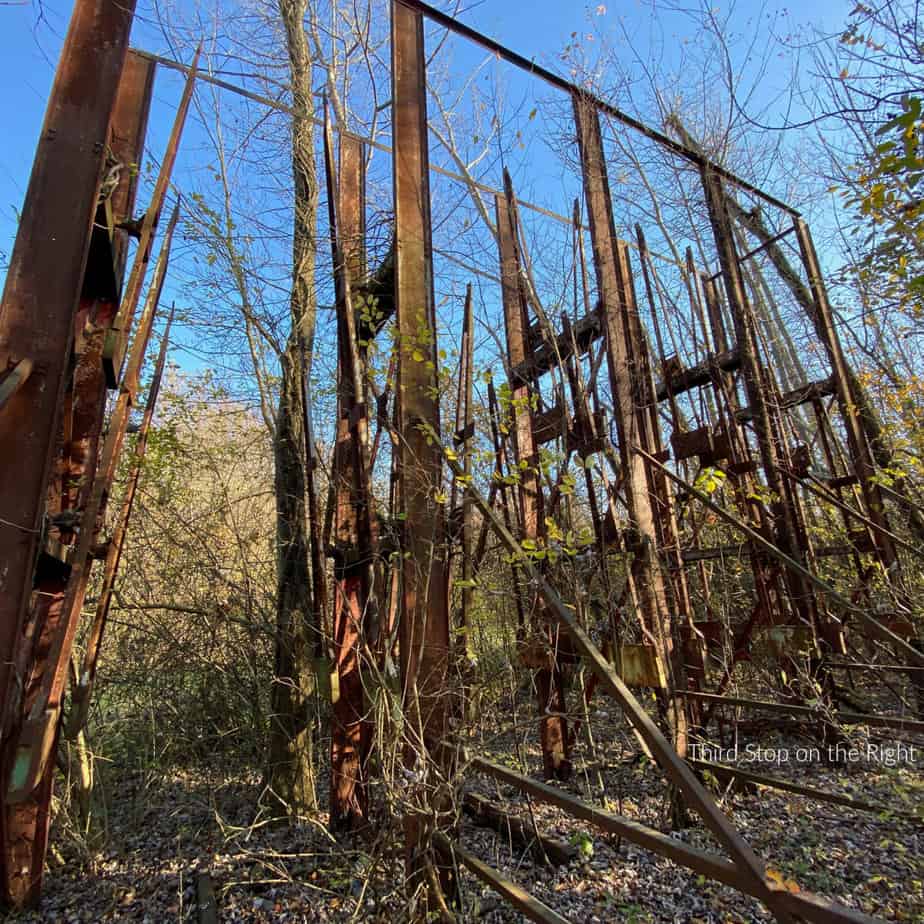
291,772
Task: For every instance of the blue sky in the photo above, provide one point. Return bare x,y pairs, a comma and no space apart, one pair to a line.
31,37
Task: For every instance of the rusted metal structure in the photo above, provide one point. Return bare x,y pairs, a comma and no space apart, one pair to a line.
640,448
64,331
751,438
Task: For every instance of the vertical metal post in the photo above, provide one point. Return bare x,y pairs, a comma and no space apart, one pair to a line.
43,287
129,127
354,537
424,625
465,427
631,420
37,318
860,454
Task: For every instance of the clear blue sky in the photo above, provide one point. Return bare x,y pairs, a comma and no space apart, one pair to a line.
32,33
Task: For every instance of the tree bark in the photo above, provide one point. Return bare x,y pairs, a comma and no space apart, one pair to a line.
291,771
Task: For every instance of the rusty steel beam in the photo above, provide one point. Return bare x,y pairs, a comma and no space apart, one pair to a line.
861,456
633,421
598,105
788,530
424,633
515,895
465,431
129,128
353,519
42,291
38,317
850,718
117,336
553,725
39,706
82,690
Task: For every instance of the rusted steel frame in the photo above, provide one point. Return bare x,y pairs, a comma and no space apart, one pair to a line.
860,453
803,904
117,338
819,795
553,725
100,300
870,625
31,745
647,269
82,691
586,427
769,438
42,292
424,628
453,25
626,383
747,864
129,127
354,529
15,379
767,581
823,427
849,718
25,824
49,700
530,907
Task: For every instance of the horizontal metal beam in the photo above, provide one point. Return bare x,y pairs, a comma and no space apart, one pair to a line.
804,904
531,907
517,60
